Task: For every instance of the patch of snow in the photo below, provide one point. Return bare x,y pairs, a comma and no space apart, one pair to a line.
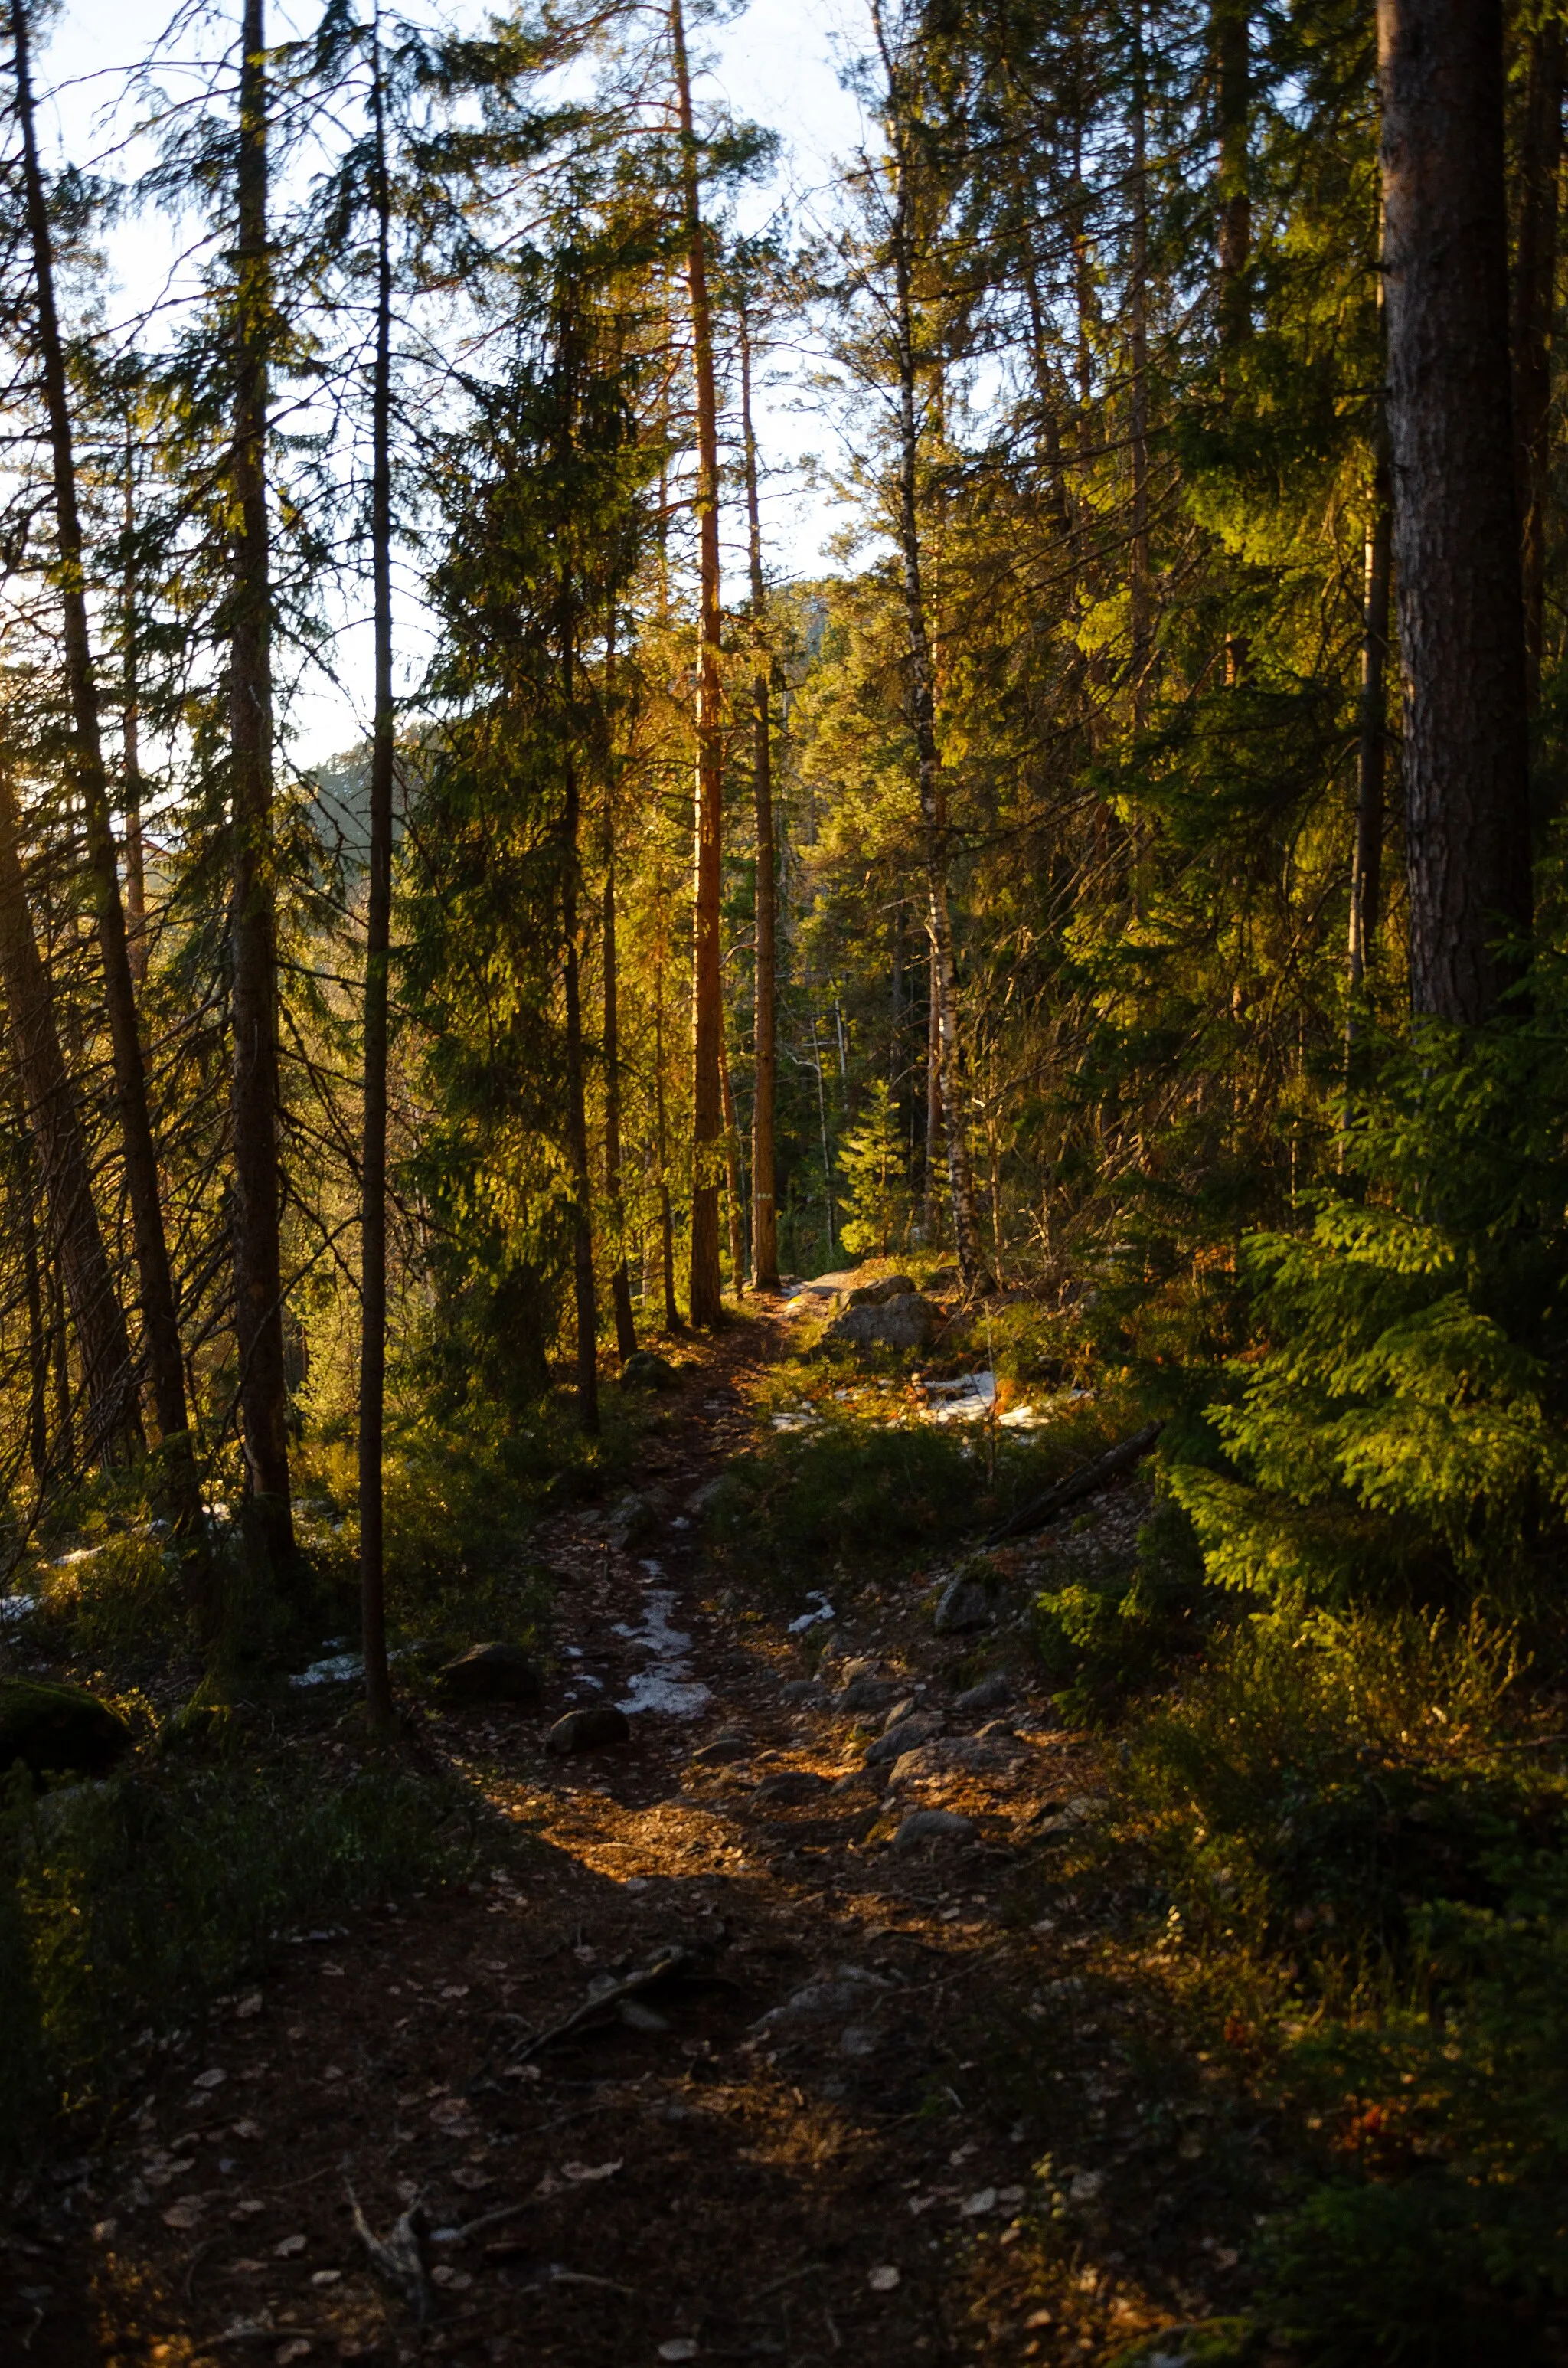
14,1607
825,1610
793,1418
666,1684
335,1671
971,1397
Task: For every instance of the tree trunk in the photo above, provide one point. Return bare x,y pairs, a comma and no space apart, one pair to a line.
707,1120
932,1216
159,1318
666,1214
378,957
1534,277
24,1184
933,797
1232,36
734,1191
114,1425
129,724
1372,756
764,1084
1456,542
1139,590
258,1266
576,1097
615,1200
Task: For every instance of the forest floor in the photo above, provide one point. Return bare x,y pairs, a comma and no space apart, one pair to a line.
891,2104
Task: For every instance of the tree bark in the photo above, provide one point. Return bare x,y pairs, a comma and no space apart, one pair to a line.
378,959
159,1320
932,791
734,1193
1535,276
765,1084
258,1266
662,1146
1232,35
1456,544
1371,755
130,726
1138,589
707,1116
25,1183
615,1198
576,1098
108,1377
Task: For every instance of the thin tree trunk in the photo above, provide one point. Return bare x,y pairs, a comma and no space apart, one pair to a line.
765,1085
1139,591
26,1184
933,797
666,1214
1535,276
377,958
734,1195
1232,35
63,1455
707,1119
159,1318
114,1425
615,1199
130,725
576,1097
258,1266
932,1223
1456,544
1372,756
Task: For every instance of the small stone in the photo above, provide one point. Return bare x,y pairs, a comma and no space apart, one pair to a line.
646,1370
723,1751
490,1673
289,2246
884,2278
326,2277
185,2214
860,2038
933,1825
297,2348
899,1713
678,2347
801,1690
975,2207
992,1693
212,2079
588,1730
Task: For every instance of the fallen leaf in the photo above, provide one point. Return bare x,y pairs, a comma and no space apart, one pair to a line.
581,2171
185,2213
247,2129
247,2007
247,2268
974,2206
212,2079
1085,2186
287,2353
472,2179
332,2072
454,1990
455,2281
325,2277
246,2206
884,2279
678,2346
287,2249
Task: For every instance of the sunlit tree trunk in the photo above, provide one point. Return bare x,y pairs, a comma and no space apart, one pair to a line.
1535,274
619,1281
707,1116
258,1266
114,1425
661,1151
764,1087
159,1318
933,796
377,958
131,733
734,1193
1456,544
576,1095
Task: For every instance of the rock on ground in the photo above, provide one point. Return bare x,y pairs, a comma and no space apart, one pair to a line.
491,1673
57,1730
962,1605
905,1737
933,1825
906,1322
588,1730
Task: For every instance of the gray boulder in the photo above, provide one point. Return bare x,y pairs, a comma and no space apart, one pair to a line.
588,1730
646,1370
962,1605
865,1694
992,1693
59,1730
790,1788
906,1322
877,1294
490,1673
933,1825
909,1734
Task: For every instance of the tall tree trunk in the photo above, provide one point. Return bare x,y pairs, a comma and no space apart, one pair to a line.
764,1087
25,1185
1535,279
707,1119
377,959
1371,755
1232,37
63,1455
114,1425
1456,543
576,1095
159,1318
933,795
615,1198
130,727
1139,590
661,1145
734,1192
258,1265
932,1218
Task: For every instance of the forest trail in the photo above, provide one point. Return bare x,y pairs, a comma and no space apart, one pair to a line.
872,2113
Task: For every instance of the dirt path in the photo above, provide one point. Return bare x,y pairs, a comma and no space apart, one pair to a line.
872,2112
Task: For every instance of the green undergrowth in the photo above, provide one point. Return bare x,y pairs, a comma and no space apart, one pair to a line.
1350,1835
865,1483
125,1904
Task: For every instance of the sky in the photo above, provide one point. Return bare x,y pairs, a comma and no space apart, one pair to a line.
774,63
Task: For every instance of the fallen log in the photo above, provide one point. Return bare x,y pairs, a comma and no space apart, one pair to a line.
1082,1483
